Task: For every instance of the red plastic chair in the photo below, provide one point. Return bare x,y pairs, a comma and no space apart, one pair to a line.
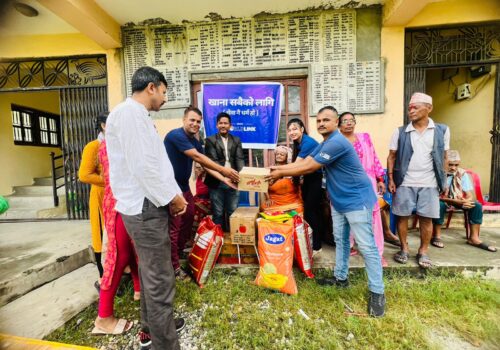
487,206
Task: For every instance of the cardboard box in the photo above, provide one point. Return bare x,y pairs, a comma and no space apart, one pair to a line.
242,225
252,179
229,253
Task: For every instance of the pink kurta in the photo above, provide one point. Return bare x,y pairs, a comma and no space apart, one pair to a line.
109,213
366,153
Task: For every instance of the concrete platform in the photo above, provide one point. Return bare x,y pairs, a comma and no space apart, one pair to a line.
35,253
455,255
47,308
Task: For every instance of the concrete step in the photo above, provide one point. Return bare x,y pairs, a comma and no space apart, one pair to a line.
46,181
47,308
20,213
30,201
33,190
20,284
36,190
35,253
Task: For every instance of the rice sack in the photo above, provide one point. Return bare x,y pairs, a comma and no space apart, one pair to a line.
276,256
207,245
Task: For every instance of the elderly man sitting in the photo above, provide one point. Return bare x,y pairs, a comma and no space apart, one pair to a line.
460,196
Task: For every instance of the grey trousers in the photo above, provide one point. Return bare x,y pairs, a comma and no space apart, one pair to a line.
149,231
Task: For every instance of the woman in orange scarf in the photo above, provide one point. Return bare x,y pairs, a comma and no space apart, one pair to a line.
282,194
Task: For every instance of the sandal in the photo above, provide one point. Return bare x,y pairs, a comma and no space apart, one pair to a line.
401,257
437,242
424,261
484,246
394,242
122,326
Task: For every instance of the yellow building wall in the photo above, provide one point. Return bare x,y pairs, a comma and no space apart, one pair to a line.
67,45
22,163
380,126
469,120
439,13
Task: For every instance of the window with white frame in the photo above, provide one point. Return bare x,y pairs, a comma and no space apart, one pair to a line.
32,127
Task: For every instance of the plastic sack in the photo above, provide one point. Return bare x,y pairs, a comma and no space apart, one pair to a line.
302,235
276,216
4,205
207,245
276,256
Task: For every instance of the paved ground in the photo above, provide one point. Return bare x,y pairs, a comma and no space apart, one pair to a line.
456,253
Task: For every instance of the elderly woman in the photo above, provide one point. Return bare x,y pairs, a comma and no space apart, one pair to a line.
283,194
366,153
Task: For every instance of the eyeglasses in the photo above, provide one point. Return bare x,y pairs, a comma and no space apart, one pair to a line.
347,121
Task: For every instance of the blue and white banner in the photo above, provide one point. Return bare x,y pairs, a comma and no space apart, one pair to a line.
254,107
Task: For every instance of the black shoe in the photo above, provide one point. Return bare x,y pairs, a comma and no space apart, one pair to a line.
376,305
97,286
333,282
122,288
145,340
179,324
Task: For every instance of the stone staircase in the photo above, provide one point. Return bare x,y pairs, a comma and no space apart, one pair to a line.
36,201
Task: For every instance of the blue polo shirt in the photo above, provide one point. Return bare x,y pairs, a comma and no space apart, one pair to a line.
306,146
176,142
348,185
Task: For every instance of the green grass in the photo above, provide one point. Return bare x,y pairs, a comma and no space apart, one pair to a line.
234,318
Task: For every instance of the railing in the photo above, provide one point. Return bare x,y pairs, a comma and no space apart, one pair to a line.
56,177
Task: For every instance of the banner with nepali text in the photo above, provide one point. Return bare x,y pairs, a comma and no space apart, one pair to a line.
254,107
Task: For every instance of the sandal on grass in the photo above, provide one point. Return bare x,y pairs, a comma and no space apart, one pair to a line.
401,257
484,246
122,326
437,242
424,261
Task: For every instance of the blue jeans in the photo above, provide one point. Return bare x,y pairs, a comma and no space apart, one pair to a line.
360,223
223,199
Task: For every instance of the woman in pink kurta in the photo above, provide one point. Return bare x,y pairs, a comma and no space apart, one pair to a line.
366,153
120,253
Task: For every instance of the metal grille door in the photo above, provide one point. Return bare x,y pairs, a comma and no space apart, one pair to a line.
79,108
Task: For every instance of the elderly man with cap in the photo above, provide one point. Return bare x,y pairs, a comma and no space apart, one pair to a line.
460,195
415,167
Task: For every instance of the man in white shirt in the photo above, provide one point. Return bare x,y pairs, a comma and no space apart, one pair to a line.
143,183
415,167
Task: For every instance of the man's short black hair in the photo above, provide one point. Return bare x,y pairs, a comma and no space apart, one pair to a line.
145,75
331,108
192,109
223,115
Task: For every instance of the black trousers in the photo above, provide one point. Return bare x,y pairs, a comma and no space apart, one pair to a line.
313,196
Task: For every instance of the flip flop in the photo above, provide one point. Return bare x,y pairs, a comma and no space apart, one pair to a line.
437,242
401,257
424,261
394,242
122,326
484,246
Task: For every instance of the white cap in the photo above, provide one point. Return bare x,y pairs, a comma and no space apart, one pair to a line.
419,97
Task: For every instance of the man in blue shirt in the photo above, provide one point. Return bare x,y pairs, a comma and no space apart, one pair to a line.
182,148
352,198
